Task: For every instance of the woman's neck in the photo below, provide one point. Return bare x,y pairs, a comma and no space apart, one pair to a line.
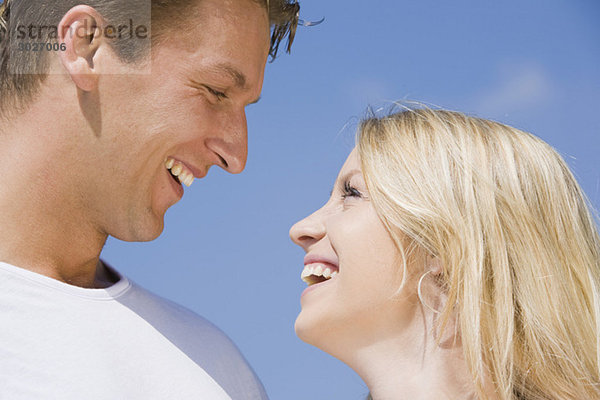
411,365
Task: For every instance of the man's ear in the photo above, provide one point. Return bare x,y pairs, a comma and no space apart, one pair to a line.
81,31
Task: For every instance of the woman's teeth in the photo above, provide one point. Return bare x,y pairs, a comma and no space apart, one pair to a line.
180,171
316,273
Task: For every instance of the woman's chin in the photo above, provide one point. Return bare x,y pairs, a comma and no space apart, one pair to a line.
314,329
301,329
308,329
322,336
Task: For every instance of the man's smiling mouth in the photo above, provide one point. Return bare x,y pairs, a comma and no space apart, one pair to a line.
179,171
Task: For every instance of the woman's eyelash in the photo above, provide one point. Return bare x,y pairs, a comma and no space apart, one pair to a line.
350,191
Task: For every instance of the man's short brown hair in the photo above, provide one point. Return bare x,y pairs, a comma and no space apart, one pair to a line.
18,85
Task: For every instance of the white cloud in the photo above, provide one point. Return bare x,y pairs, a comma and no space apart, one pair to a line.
519,87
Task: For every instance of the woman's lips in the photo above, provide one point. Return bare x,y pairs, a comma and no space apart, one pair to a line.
321,259
313,286
318,269
315,272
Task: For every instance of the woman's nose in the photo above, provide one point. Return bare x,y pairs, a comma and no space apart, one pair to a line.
308,231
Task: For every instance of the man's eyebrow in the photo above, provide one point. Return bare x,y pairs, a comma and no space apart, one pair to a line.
238,77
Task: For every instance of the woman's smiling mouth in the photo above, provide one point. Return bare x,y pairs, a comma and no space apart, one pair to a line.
317,273
318,269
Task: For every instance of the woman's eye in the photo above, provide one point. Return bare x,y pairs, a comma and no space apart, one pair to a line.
350,191
219,95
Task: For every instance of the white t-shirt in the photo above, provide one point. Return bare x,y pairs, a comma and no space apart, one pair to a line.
63,342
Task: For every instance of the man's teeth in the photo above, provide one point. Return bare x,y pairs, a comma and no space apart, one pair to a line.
176,170
179,170
316,273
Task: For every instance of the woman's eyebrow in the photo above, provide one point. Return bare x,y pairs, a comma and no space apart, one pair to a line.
345,178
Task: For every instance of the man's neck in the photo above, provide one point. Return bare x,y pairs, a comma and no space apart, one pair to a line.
51,248
44,228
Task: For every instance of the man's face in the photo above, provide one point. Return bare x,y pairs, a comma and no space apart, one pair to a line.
191,108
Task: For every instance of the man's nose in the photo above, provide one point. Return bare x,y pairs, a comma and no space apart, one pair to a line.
231,145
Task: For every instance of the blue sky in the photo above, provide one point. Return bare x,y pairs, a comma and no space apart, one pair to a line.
225,252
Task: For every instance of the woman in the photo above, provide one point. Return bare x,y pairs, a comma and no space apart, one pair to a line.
456,259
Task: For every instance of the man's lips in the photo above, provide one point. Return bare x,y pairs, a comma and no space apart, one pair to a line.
175,184
184,172
195,170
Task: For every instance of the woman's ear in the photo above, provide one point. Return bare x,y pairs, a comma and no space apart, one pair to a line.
81,31
429,290
434,264
437,301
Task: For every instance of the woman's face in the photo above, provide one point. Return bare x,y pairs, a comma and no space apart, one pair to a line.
360,300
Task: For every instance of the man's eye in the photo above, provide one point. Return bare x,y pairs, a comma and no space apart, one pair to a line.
219,95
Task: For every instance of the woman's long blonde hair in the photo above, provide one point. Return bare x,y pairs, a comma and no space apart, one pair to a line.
514,232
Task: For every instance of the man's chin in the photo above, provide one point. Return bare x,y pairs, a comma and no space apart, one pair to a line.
145,232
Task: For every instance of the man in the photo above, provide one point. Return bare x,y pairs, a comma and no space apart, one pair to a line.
97,135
